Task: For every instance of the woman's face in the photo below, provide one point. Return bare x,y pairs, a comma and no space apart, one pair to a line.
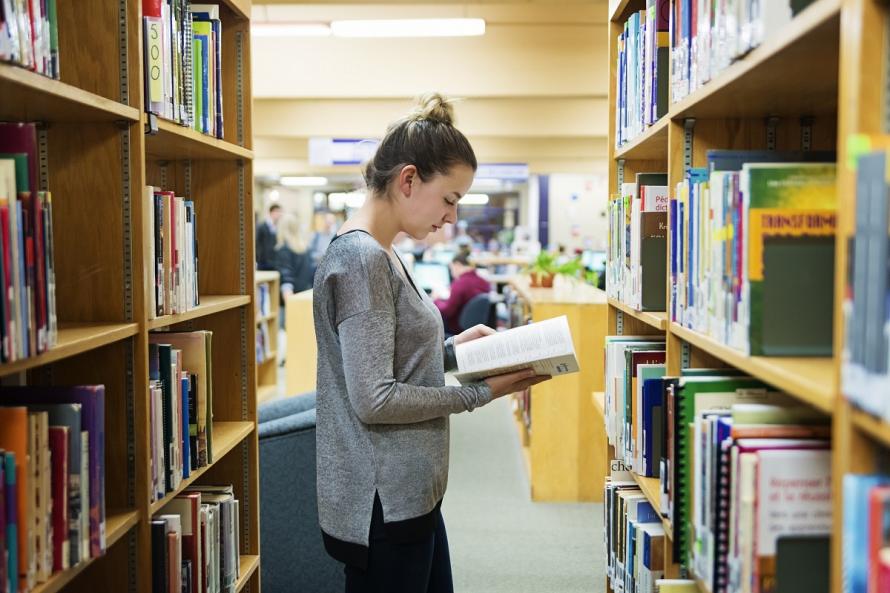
427,206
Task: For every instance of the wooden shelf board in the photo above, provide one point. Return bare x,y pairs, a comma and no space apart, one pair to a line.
876,428
652,144
241,8
599,402
619,9
226,436
784,65
656,319
116,526
266,392
810,380
210,304
175,142
249,565
702,586
272,357
264,318
264,276
28,96
651,487
74,339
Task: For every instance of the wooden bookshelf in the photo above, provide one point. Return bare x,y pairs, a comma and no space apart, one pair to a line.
818,72
267,368
655,319
97,160
811,380
210,304
651,144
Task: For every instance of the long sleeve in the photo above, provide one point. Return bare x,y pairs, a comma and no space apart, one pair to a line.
367,344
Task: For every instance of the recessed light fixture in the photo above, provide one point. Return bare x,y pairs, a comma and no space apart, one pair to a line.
474,200
269,29
303,181
409,28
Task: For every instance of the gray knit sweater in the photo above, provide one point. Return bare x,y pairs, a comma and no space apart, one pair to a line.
382,407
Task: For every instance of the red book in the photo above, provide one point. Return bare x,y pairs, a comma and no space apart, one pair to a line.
6,281
878,510
151,8
58,447
884,571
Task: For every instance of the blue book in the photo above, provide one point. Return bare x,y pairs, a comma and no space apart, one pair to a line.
25,327
854,572
186,451
653,429
12,532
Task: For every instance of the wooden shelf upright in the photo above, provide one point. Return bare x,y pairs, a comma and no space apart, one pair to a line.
809,87
97,160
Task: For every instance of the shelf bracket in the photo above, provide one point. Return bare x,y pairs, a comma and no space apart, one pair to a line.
772,123
239,87
127,212
688,136
620,167
806,133
43,156
619,322
187,173
163,165
685,357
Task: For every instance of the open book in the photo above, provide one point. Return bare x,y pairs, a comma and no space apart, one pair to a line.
545,346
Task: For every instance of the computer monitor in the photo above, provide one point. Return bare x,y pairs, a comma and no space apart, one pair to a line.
443,256
431,276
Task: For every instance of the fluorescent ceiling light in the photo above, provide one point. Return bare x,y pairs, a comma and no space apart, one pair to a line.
290,30
353,199
303,181
274,195
474,200
409,28
487,183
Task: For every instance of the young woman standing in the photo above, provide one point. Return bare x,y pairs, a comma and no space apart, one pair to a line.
383,407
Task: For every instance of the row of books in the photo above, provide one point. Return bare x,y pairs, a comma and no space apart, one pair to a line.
729,452
52,491
707,36
180,407
866,356
866,548
634,536
28,323
264,346
174,270
642,75
29,35
183,63
263,300
749,234
195,542
636,270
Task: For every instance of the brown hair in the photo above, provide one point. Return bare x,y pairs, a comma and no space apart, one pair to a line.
426,138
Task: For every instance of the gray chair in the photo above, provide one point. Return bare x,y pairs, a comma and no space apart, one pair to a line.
293,555
479,309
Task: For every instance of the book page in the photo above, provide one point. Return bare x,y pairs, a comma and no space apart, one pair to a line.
545,346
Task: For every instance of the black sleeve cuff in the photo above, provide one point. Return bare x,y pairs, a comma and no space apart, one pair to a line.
450,357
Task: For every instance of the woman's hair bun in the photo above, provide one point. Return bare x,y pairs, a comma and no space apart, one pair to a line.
434,107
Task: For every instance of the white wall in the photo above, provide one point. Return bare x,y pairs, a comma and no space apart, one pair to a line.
577,207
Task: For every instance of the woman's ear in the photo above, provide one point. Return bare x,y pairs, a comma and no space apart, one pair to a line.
407,176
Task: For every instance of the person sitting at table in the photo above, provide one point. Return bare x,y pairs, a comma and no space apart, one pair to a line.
465,284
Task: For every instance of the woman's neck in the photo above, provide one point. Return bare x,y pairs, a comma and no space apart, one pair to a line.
376,216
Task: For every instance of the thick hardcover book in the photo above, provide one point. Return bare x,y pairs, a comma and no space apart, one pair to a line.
12,519
159,558
14,440
58,442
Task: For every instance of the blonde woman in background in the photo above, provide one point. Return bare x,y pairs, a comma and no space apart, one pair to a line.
291,258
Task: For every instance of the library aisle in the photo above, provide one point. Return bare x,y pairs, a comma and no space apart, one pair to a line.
501,541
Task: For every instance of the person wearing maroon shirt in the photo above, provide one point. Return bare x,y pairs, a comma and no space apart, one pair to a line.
465,284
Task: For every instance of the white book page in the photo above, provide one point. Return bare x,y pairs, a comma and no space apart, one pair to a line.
545,346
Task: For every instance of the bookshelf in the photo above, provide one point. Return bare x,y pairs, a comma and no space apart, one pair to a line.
267,369
560,446
97,159
822,74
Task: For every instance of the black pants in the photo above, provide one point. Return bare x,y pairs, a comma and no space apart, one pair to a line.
422,566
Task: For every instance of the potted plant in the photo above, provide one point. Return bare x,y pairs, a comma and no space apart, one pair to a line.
542,270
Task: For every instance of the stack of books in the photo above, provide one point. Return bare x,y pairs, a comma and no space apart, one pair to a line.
171,224
28,322
180,407
636,271
749,234
183,63
196,541
706,36
52,491
29,36
642,71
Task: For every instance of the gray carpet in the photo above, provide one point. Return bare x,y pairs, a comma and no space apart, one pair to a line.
500,541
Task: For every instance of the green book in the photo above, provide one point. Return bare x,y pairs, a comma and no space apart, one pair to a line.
788,283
